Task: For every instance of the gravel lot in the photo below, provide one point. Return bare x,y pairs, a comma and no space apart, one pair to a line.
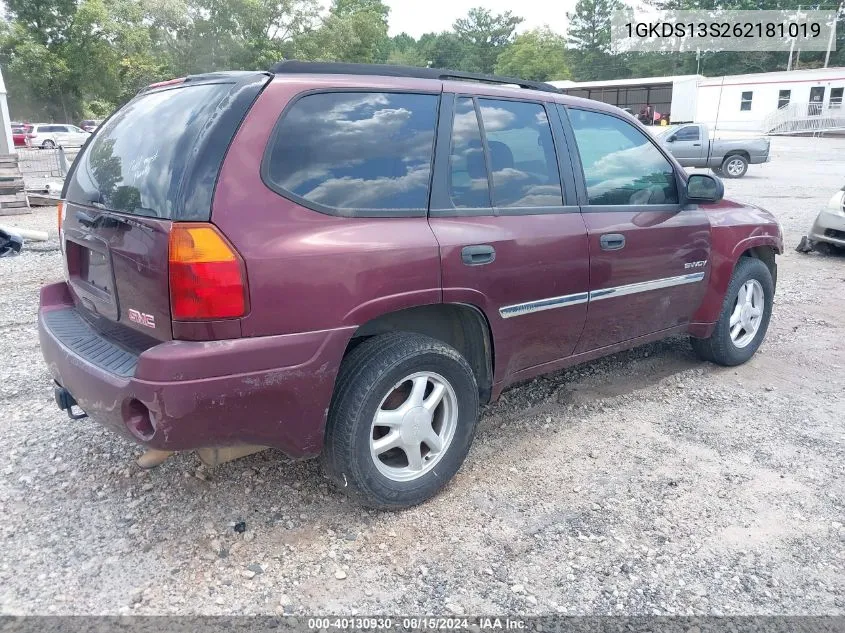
647,482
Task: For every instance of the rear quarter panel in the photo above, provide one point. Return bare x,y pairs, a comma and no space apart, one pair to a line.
310,271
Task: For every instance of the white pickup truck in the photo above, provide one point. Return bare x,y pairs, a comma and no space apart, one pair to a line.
692,146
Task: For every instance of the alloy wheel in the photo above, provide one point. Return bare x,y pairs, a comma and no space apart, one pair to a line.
414,426
747,313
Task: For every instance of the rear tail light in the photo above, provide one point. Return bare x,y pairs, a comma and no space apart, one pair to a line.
207,276
60,213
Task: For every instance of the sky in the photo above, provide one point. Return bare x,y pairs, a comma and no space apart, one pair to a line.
416,17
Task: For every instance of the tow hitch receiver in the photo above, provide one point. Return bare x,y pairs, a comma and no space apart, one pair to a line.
66,402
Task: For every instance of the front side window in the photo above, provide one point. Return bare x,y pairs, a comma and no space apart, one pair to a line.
522,156
745,102
621,166
355,151
689,133
468,186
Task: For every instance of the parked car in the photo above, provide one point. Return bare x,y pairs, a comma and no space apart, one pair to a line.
828,231
50,135
288,259
90,125
22,134
692,146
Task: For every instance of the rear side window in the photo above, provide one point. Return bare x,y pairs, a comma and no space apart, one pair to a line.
352,153
522,154
468,186
621,165
159,156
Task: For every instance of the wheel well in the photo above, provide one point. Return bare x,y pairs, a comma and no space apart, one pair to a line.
765,254
737,152
462,326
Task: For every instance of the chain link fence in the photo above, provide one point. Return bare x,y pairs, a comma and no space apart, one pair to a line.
44,170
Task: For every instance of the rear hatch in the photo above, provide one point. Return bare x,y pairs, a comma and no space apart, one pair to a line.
153,163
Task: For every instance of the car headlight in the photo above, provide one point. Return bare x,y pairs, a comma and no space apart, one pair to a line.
836,203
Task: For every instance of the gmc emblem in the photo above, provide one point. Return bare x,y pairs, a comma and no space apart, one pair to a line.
147,320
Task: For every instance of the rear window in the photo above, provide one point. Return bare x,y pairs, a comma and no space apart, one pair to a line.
355,153
159,156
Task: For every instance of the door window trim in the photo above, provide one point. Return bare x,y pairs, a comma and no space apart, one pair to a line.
350,213
441,204
581,183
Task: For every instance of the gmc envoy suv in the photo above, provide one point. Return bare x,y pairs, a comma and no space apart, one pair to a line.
348,260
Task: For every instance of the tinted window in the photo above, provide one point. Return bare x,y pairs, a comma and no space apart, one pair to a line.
522,154
142,160
362,151
689,133
783,98
621,166
467,170
745,102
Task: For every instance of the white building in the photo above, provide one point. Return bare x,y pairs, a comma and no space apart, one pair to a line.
776,102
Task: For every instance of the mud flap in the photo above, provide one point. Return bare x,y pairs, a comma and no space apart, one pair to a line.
806,245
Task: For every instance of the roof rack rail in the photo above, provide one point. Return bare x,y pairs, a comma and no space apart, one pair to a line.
295,66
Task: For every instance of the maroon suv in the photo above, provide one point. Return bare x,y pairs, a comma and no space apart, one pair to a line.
347,260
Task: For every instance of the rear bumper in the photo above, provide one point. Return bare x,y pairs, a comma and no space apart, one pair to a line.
271,391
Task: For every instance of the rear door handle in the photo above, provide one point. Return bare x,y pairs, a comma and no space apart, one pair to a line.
612,241
478,254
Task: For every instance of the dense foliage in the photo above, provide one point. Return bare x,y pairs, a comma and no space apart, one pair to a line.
71,59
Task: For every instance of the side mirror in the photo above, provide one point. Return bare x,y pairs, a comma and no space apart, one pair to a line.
671,139
704,188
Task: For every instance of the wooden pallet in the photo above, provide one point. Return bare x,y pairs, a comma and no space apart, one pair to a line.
13,198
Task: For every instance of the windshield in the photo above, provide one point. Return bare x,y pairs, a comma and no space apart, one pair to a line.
666,131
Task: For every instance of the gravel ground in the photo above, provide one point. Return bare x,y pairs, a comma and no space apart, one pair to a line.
644,483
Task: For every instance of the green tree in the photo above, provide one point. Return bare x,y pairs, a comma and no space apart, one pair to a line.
354,31
94,53
483,36
539,55
589,37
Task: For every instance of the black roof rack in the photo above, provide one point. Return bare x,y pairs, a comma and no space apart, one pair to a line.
295,66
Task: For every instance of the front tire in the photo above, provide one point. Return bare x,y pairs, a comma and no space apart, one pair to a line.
402,420
734,166
745,315
48,144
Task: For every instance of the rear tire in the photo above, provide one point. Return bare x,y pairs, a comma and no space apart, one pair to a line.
734,166
740,330
401,421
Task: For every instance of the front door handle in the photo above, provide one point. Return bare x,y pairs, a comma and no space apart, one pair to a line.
478,254
612,241
696,144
